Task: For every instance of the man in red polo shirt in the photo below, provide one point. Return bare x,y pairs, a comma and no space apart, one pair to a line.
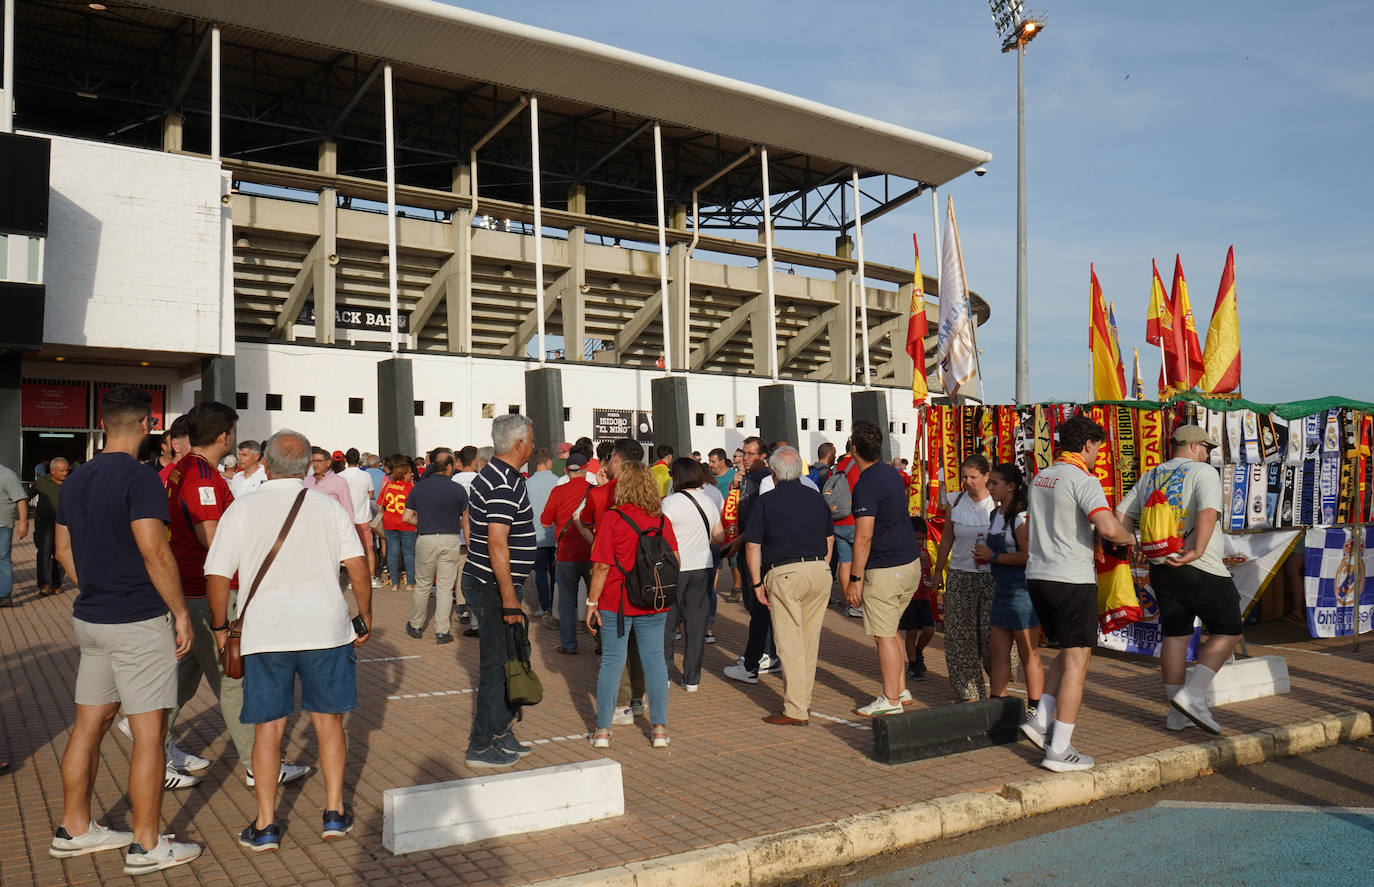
601,499
572,560
197,497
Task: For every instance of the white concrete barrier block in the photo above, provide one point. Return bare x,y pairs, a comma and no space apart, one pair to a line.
424,817
1244,679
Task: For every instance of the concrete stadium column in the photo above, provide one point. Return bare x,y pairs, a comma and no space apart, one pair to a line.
872,405
679,299
457,294
173,126
903,369
778,414
672,414
544,405
395,406
574,300
759,321
10,411
217,379
325,277
841,333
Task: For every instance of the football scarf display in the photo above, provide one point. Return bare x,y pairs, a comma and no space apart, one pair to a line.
1007,423
1044,438
1127,459
1240,497
1025,433
950,457
1257,497
1249,430
1233,440
1292,454
1151,439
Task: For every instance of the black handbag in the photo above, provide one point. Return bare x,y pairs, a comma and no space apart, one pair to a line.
523,686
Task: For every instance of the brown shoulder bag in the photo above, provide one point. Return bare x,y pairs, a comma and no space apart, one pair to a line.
231,657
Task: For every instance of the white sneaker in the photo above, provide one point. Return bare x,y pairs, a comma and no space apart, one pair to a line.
1196,711
174,778
739,673
691,688
856,612
184,760
287,773
769,664
166,854
1065,761
880,706
905,698
96,838
1033,731
623,717
1177,720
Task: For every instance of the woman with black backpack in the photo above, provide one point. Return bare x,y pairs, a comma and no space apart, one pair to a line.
634,583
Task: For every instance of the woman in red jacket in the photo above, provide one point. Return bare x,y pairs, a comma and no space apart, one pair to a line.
637,503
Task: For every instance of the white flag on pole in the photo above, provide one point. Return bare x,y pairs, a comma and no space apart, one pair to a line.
956,356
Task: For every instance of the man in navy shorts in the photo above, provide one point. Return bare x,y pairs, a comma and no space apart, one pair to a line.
295,625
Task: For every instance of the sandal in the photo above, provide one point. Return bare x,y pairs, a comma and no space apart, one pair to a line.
601,738
660,736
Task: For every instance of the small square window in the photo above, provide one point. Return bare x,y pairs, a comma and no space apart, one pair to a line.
272,402
513,409
739,421
567,414
903,428
240,400
419,407
355,405
756,422
891,427
805,423
839,425
488,411
701,420
307,403
446,409
820,424
720,420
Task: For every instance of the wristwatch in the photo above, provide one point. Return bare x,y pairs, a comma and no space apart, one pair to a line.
224,627
853,578
758,585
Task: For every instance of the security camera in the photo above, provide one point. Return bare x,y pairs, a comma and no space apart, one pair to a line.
980,171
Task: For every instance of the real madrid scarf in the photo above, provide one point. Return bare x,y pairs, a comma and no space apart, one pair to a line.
1270,447
1250,436
1235,479
1307,498
1233,440
1257,498
1293,449
1044,438
1292,483
1330,479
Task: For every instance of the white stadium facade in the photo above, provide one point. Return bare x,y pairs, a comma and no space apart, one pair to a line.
217,225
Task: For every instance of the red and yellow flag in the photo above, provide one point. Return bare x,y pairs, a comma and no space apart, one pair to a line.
1159,320
1187,349
1108,380
1221,358
916,331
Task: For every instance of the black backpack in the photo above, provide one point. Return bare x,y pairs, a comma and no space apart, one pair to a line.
651,581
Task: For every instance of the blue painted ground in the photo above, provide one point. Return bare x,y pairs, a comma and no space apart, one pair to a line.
1188,845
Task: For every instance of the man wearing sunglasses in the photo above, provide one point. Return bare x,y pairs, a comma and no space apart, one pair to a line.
1192,582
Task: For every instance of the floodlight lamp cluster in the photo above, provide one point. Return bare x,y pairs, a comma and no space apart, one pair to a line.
1016,25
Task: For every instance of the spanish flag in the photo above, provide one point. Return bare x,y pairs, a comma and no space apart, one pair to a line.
1221,358
1116,344
916,331
1159,328
1108,380
1187,351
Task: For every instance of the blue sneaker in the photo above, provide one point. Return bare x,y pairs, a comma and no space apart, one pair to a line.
492,756
508,742
260,839
337,824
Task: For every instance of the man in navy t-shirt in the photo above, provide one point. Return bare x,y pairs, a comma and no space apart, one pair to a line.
132,624
886,568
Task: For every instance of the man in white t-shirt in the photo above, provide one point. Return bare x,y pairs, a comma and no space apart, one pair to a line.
362,491
1192,582
1067,506
295,625
252,474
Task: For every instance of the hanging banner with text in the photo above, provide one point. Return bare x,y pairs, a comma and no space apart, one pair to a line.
616,424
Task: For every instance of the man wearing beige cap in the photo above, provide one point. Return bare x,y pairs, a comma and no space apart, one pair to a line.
1191,581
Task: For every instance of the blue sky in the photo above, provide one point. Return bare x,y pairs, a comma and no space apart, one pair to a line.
1152,129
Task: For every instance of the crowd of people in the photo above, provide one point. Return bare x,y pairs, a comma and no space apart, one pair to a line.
208,554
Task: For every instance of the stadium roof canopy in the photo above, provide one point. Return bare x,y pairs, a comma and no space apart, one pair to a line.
294,73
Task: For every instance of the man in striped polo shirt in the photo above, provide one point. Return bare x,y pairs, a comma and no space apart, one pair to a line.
501,552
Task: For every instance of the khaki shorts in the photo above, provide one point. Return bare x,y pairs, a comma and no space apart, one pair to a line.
132,663
887,591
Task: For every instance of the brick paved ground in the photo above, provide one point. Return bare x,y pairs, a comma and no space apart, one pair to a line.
726,776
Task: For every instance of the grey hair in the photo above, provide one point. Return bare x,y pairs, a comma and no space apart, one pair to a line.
55,459
287,454
508,430
484,454
251,445
786,464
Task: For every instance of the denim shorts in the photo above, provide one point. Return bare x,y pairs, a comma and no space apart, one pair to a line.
844,543
1012,609
328,683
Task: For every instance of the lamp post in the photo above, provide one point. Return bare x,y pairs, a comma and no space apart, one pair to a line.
1017,27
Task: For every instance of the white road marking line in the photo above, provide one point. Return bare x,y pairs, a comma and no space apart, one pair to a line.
848,723
1292,649
1268,808
432,693
389,658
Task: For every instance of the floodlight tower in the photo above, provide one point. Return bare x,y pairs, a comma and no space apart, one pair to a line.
1017,27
